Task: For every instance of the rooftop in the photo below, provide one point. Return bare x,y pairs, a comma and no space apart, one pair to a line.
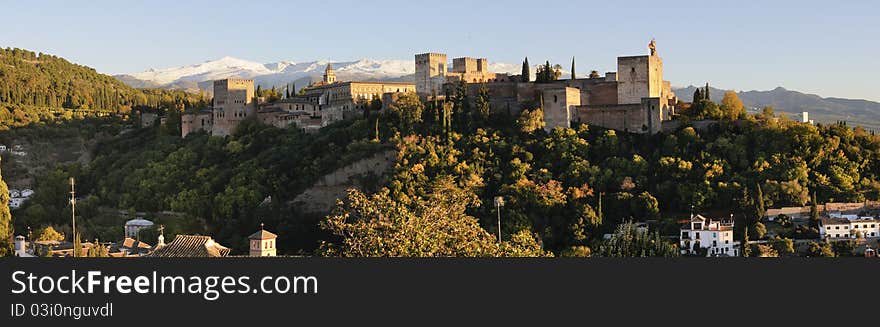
191,246
262,234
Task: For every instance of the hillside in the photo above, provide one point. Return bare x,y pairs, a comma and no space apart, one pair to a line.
37,87
825,110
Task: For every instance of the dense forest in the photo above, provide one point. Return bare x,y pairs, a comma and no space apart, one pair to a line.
38,87
563,189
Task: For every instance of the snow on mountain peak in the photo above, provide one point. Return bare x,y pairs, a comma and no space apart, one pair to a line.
282,72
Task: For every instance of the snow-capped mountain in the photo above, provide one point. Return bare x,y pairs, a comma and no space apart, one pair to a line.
280,73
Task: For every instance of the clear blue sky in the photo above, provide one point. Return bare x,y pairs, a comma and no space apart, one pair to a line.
825,47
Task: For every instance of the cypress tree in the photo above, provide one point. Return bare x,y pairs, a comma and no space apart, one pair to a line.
814,211
759,202
77,245
573,74
526,71
548,72
698,96
706,93
377,129
746,250
6,248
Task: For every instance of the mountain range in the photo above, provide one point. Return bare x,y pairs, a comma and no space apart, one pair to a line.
793,103
199,76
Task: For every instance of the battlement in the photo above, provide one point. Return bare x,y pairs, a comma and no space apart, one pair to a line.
470,65
431,54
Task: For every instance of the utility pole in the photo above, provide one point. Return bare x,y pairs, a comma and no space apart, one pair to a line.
499,202
73,213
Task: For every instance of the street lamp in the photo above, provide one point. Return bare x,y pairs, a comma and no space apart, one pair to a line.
499,202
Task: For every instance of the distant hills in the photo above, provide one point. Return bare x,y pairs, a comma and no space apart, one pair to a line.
36,87
825,110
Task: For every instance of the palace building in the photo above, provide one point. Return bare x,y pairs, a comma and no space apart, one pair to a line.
634,99
321,104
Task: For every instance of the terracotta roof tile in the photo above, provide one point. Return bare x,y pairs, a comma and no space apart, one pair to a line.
191,246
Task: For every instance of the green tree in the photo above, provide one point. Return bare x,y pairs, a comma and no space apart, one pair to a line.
408,110
482,108
531,120
77,245
576,251
759,230
706,93
746,247
98,251
526,71
820,249
573,74
783,246
698,96
814,211
381,226
732,106
844,248
6,247
629,241
759,203
49,234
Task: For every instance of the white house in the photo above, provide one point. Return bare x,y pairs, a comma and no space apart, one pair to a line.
132,227
843,228
2,148
714,236
15,203
26,193
21,247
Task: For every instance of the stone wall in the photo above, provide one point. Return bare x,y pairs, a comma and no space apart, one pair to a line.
634,118
559,103
322,196
194,122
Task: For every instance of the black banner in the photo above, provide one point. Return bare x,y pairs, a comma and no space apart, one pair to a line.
493,292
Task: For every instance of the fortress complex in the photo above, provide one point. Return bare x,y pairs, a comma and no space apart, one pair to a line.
342,100
233,102
634,99
321,104
432,73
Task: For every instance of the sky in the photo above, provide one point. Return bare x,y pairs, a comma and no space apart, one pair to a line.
829,48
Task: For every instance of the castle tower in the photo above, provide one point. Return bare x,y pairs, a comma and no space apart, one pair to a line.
639,77
329,74
430,73
262,243
233,102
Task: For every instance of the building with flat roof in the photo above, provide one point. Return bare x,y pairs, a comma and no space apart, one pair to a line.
714,237
849,227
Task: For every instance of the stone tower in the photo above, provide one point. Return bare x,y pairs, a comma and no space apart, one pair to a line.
430,73
329,74
233,102
262,243
639,77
